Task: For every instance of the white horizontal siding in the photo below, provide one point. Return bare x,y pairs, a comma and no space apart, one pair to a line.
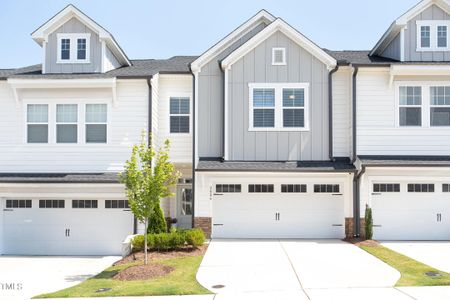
126,121
181,143
377,133
342,113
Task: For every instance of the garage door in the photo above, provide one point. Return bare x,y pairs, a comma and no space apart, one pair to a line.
65,227
410,211
278,211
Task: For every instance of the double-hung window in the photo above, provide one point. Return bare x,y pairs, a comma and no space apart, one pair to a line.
410,106
432,35
73,47
263,108
425,36
442,36
66,123
440,105
278,106
37,123
96,123
179,115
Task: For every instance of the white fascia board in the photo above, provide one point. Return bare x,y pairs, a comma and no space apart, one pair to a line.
279,25
197,64
417,70
385,40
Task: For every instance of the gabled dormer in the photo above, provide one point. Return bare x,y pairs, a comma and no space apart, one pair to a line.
74,43
421,34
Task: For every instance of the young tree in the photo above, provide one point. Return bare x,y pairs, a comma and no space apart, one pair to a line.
148,177
368,223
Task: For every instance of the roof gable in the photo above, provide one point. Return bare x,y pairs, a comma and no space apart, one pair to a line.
402,21
290,32
261,16
41,34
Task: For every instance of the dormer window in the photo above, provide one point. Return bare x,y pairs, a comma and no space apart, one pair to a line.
432,35
278,56
73,47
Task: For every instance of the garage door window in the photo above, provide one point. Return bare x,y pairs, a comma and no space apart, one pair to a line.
420,188
386,187
84,203
326,188
14,203
51,203
293,188
446,188
228,188
260,188
116,204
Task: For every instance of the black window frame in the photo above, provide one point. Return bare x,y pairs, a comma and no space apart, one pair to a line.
327,188
52,203
294,188
84,203
228,188
19,203
261,188
421,188
386,188
117,204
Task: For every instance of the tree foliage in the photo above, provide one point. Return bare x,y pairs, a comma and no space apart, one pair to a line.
368,224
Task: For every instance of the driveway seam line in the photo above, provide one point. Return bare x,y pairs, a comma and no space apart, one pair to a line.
295,272
404,293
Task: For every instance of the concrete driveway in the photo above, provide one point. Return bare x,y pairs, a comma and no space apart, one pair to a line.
22,277
435,254
290,268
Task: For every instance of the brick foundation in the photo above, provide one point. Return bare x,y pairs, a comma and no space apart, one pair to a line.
349,232
204,223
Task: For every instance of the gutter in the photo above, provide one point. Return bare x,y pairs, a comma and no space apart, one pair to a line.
355,73
357,201
193,146
330,112
150,117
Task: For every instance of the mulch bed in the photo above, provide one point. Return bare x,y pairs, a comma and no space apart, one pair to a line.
154,255
362,242
143,272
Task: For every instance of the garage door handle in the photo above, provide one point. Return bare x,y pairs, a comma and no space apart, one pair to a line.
376,225
337,225
215,194
376,194
336,194
6,209
217,224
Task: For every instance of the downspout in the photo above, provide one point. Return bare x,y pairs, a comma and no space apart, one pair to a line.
356,201
355,73
193,147
330,112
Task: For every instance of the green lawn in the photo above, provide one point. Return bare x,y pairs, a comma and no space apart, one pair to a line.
181,281
412,272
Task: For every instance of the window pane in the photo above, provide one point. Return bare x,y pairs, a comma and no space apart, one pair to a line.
66,133
442,36
410,95
179,106
179,124
264,97
440,95
81,48
440,116
264,118
96,113
410,116
37,113
66,113
425,36
293,97
293,118
37,133
96,133
65,49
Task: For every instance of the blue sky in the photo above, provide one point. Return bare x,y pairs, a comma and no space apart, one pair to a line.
164,28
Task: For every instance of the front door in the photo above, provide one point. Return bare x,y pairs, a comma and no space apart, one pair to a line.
184,206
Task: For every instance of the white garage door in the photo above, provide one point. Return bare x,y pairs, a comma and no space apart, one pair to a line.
410,211
278,214
54,227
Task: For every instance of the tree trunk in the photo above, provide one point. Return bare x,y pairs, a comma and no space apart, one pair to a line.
145,241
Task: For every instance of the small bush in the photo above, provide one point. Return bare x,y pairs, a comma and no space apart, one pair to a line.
195,237
137,243
368,226
157,222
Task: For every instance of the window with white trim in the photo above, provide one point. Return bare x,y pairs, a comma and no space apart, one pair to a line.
84,203
37,123
66,123
179,115
386,187
420,188
410,106
18,203
279,56
432,35
278,106
439,106
96,123
73,47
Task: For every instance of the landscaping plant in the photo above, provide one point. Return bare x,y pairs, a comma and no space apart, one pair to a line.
157,223
148,177
368,226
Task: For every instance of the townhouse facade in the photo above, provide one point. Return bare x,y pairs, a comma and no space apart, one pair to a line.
275,137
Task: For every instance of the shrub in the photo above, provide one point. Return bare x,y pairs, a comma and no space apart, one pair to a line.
195,237
368,226
137,243
157,222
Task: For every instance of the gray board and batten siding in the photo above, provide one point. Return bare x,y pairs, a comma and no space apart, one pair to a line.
256,66
211,97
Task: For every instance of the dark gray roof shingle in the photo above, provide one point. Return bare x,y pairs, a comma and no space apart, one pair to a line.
59,177
139,68
400,160
275,166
